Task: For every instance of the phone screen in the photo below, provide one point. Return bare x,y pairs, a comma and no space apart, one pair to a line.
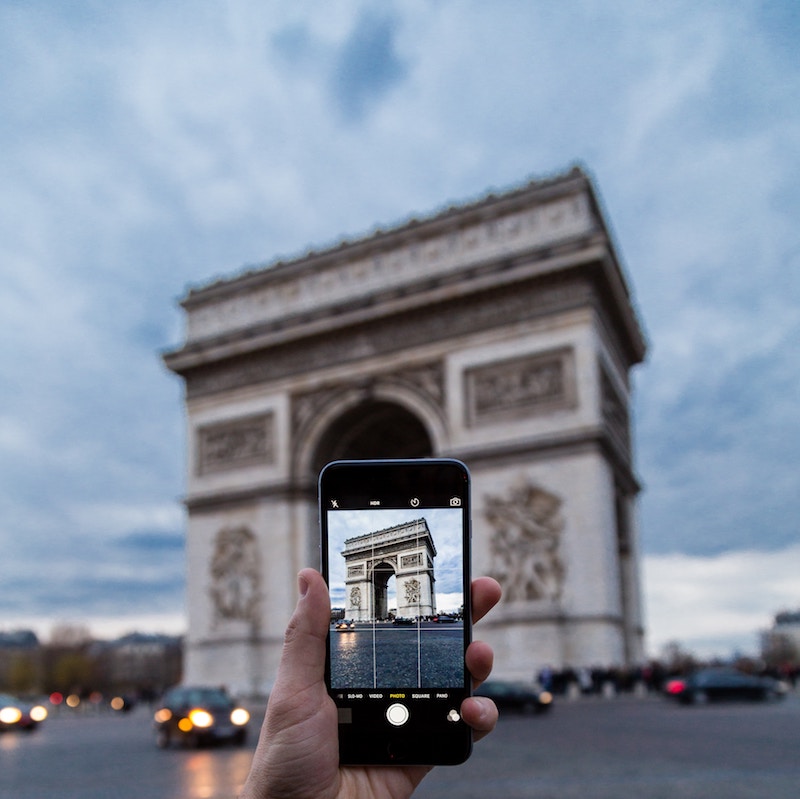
395,551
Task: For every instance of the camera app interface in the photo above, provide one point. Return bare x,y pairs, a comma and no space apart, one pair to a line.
397,597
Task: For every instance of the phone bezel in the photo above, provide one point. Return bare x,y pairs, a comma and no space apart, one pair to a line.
426,739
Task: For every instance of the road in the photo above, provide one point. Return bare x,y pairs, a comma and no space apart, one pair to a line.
591,748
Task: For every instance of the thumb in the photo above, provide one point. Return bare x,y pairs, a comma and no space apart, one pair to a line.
303,658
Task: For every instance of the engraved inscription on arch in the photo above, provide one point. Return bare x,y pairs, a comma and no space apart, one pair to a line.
236,443
517,387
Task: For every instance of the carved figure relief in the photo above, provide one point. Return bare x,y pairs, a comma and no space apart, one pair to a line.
527,526
236,576
426,380
355,571
521,386
232,444
355,597
413,592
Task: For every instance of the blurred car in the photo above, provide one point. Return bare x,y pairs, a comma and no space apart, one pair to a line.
403,621
345,626
196,715
517,696
121,703
18,715
719,684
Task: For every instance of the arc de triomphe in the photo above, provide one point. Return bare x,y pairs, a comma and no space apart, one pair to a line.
500,332
405,551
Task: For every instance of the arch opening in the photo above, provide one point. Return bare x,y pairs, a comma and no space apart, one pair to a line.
376,429
380,586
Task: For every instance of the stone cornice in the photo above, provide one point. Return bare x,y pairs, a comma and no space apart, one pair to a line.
538,229
548,447
382,335
216,500
428,290
455,218
591,439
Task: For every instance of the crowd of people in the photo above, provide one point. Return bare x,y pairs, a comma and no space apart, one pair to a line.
646,679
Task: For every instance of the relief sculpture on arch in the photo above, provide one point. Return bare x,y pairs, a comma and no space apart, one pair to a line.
527,525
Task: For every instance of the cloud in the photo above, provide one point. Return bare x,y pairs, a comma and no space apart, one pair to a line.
146,541
367,66
148,148
716,606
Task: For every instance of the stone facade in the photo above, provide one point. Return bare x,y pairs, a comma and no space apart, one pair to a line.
500,332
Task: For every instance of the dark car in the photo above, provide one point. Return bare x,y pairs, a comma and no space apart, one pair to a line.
196,715
516,696
717,684
18,715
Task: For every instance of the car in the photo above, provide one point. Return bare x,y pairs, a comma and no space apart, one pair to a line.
403,621
122,703
721,683
516,696
345,626
18,715
198,715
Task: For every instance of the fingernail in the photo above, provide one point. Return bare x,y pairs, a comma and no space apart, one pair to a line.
302,584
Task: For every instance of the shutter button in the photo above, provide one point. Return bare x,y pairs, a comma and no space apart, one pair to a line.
397,714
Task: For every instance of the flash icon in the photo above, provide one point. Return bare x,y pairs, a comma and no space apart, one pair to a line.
334,503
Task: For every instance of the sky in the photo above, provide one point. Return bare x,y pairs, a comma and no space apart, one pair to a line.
149,147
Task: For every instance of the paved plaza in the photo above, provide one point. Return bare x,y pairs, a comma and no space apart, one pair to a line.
589,749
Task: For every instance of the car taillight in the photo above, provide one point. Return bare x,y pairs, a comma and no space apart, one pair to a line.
676,687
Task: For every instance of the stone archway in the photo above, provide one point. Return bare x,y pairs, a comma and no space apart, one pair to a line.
500,332
405,551
373,429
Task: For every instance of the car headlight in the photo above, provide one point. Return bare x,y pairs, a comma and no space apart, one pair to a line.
201,718
162,715
38,713
545,697
10,715
239,716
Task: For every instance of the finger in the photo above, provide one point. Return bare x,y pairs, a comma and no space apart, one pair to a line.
303,656
480,713
486,593
479,659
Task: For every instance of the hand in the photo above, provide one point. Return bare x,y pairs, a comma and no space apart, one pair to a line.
298,750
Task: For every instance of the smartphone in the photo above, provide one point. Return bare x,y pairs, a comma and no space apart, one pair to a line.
395,545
